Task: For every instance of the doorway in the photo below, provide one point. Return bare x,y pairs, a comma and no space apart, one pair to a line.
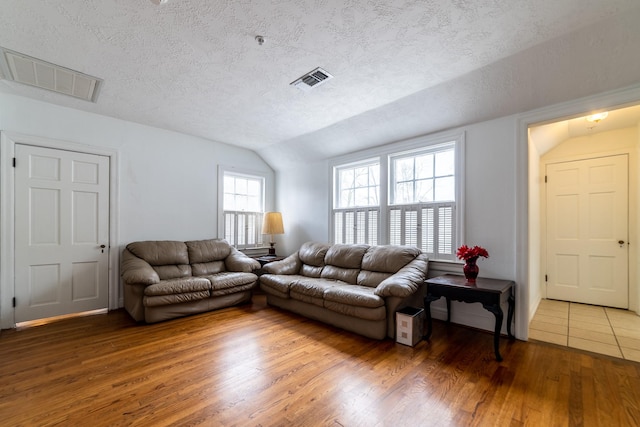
10,295
61,232
587,231
571,149
590,327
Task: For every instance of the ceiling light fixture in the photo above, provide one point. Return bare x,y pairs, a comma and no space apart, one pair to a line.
595,118
260,40
157,2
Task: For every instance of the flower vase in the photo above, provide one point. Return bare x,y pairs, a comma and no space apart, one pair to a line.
471,269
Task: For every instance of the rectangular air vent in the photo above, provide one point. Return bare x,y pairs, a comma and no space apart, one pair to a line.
312,79
44,75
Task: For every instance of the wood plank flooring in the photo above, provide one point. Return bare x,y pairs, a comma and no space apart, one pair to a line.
254,365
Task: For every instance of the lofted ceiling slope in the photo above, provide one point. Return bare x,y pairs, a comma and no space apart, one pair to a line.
400,67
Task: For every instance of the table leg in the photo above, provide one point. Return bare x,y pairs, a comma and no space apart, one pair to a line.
497,312
448,310
427,308
512,307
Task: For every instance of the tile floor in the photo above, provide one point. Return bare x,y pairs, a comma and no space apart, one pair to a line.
603,330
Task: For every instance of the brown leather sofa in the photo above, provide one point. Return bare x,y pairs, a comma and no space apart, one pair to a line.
354,287
167,279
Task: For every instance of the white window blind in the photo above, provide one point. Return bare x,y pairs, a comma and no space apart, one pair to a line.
428,227
359,226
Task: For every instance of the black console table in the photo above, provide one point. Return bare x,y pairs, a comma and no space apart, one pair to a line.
489,292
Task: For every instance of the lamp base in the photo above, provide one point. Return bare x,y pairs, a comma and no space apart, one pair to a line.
272,249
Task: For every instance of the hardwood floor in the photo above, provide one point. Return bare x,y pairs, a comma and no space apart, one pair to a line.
256,366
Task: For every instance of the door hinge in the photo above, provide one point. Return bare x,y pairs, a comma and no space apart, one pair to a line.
14,162
546,278
545,179
14,301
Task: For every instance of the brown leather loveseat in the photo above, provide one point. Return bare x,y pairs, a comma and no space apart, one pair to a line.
167,279
354,287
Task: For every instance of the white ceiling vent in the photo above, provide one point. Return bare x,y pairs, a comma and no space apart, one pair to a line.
312,79
34,72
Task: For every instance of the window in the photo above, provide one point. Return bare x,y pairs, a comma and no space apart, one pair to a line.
422,200
407,195
243,209
357,205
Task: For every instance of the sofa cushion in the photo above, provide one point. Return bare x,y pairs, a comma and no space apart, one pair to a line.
203,251
230,279
346,256
168,272
279,283
347,275
160,252
311,290
371,278
313,253
155,301
360,296
388,259
178,286
207,268
366,313
310,270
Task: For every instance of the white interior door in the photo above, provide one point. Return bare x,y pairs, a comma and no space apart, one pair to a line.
61,232
587,228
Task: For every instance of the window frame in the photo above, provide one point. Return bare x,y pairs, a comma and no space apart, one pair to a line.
265,182
337,188
384,155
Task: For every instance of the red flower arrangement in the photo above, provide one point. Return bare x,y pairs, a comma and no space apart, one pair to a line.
466,253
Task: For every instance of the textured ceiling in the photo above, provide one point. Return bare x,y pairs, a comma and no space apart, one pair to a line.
193,66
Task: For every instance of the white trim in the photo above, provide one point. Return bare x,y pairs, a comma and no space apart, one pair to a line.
8,140
373,161
268,190
383,154
576,108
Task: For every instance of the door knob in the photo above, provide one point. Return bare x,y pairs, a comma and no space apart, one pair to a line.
621,242
102,248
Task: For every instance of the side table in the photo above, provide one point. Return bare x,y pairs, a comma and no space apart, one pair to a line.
489,292
264,260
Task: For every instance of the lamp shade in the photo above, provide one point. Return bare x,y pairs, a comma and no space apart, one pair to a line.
272,223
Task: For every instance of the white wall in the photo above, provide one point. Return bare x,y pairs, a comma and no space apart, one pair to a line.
167,181
303,199
490,219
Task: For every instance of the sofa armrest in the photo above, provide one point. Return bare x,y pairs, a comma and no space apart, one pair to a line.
289,265
135,270
239,261
406,281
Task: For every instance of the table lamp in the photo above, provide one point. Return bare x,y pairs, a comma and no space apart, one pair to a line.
272,224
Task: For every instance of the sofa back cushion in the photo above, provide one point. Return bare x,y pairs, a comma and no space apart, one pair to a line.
311,254
380,262
342,262
371,278
169,259
207,256
388,259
